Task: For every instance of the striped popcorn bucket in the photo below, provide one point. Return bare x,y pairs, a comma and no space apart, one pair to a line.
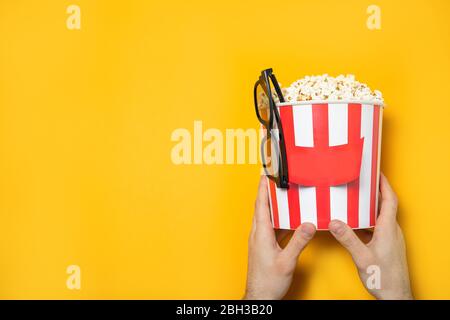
333,157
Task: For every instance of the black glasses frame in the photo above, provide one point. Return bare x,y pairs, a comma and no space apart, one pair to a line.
266,80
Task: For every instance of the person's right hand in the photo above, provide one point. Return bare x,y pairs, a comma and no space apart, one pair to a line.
385,251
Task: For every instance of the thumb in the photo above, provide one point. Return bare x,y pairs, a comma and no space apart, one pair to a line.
349,240
299,240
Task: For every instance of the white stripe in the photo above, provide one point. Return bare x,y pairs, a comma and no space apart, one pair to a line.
308,205
270,201
304,137
380,117
283,208
303,125
338,135
338,124
366,168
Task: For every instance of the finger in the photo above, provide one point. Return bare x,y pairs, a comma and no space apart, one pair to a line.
262,211
349,240
389,200
387,218
262,229
299,240
253,229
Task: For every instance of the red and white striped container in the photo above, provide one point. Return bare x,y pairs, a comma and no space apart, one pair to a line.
333,152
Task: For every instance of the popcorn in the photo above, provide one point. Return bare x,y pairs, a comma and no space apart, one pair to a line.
325,87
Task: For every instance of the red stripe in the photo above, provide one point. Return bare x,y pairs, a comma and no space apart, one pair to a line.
373,181
294,206
320,129
287,117
354,134
273,197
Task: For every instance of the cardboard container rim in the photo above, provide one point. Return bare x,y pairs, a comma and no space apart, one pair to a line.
327,229
297,103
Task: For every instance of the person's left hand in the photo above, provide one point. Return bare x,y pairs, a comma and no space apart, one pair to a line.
271,268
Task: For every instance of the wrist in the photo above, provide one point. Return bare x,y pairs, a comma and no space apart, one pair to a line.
250,295
405,295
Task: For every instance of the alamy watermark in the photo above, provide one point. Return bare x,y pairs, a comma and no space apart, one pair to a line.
374,280
73,281
213,146
73,21
374,19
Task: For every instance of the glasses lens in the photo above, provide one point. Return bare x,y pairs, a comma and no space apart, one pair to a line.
270,154
275,88
263,103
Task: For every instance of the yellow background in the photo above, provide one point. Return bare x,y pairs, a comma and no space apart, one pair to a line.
86,117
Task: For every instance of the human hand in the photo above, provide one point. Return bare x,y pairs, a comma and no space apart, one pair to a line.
386,249
271,268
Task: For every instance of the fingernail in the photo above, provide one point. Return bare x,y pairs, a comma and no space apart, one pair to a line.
337,227
307,230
